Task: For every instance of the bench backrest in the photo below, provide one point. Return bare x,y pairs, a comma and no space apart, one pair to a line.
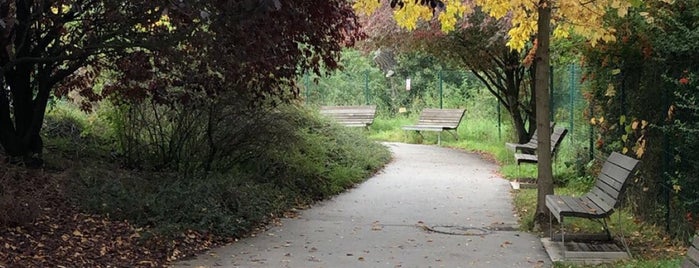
445,118
612,180
692,258
350,115
557,136
535,135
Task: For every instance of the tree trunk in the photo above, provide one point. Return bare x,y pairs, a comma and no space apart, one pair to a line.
545,172
22,116
518,123
532,101
514,75
506,88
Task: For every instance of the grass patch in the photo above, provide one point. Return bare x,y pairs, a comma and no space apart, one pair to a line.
389,129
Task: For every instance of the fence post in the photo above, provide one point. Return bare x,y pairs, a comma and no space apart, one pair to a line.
666,163
497,103
592,132
366,87
440,90
552,111
572,100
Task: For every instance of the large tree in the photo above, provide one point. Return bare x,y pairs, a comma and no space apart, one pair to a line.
50,44
49,48
531,20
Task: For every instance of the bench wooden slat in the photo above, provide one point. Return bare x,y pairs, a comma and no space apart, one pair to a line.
424,127
438,120
603,205
447,118
623,161
612,182
603,196
614,172
351,116
612,192
562,206
557,136
531,144
576,204
691,260
442,121
526,158
556,205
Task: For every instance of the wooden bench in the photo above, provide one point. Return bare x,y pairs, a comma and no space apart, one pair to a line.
530,146
557,136
692,258
351,116
438,120
601,200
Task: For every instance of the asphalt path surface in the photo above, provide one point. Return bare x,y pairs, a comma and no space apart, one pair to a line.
430,207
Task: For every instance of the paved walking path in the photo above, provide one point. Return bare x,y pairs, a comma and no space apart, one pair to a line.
386,221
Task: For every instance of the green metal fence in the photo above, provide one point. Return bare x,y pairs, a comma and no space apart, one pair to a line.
451,89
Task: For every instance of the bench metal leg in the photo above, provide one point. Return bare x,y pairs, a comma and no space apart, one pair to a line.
623,239
453,133
420,134
563,234
550,225
606,229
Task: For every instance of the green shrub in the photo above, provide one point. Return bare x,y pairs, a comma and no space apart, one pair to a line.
226,204
263,163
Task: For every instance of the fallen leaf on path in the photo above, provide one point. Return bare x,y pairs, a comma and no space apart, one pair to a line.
504,244
376,226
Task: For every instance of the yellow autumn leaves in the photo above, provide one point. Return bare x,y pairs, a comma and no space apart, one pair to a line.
412,12
636,129
584,18
450,15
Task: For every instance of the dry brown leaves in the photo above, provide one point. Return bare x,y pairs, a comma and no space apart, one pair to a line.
61,235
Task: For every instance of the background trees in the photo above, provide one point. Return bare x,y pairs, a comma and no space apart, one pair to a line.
477,46
58,44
